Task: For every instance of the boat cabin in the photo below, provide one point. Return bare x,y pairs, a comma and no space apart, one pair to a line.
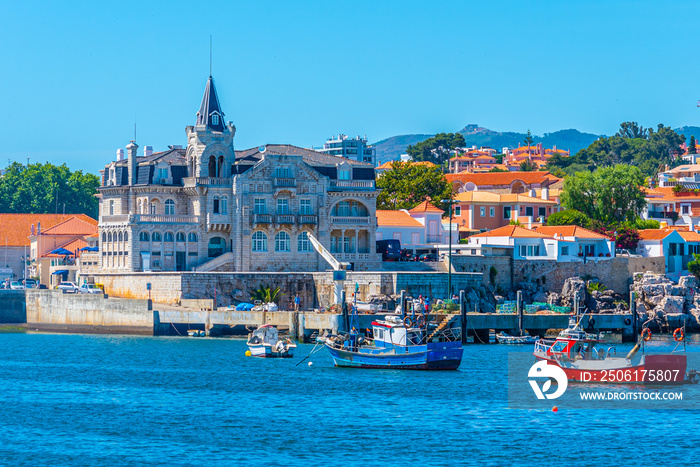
392,332
267,334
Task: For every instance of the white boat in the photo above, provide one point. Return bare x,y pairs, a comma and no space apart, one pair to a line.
504,338
271,306
265,342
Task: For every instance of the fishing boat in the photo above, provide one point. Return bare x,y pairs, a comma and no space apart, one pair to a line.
504,338
585,358
397,342
265,342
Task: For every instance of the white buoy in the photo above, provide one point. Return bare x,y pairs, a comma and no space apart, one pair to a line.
311,363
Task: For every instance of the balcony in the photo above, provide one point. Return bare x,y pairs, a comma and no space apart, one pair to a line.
262,219
148,219
118,219
352,185
284,182
350,220
218,222
673,215
191,182
285,219
308,219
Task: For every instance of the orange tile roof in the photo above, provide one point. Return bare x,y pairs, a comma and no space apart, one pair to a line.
689,236
73,246
667,194
390,164
570,231
490,197
513,231
502,178
15,229
396,219
426,206
654,234
73,226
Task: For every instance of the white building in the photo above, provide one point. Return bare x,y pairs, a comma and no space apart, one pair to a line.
353,148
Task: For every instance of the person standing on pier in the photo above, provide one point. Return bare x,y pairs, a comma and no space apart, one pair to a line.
297,301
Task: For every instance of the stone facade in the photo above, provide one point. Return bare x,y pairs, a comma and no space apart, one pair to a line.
210,208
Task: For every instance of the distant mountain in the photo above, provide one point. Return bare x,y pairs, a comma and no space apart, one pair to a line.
573,140
391,148
689,130
474,135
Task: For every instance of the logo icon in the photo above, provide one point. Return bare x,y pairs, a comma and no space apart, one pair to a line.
542,370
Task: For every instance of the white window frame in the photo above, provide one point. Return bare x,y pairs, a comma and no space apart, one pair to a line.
415,238
305,207
169,207
303,243
492,211
282,242
259,206
259,242
283,206
482,211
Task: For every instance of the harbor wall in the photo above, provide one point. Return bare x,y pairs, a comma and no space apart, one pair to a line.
614,273
12,307
52,310
315,289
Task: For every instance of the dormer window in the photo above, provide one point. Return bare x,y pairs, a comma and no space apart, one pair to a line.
215,119
344,174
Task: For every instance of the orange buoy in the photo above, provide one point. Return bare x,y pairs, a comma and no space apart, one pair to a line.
678,335
555,409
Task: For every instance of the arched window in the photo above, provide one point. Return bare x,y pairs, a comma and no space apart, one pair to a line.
212,166
121,237
153,208
216,204
143,236
168,237
156,236
282,241
180,237
224,204
104,237
303,243
259,241
220,172
169,207
139,209
126,236
109,237
192,237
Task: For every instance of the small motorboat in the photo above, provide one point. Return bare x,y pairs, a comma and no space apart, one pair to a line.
584,358
265,342
504,338
259,306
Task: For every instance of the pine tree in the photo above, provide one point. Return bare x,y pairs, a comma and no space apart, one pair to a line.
528,139
691,145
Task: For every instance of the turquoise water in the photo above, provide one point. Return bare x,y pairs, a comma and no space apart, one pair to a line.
125,400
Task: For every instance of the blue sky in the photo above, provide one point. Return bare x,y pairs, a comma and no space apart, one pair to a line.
76,76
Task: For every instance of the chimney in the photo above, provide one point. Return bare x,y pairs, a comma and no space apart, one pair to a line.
120,155
545,194
131,152
147,151
38,228
32,230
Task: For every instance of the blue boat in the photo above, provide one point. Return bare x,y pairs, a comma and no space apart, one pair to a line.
398,343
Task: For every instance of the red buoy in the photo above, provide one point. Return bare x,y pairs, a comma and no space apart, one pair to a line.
555,409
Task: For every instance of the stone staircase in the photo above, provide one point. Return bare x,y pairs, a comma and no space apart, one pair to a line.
220,263
443,324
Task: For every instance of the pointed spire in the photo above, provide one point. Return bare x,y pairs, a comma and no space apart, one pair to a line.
210,113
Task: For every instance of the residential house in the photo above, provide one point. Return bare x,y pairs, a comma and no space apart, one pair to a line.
55,250
422,229
679,208
502,182
676,246
484,210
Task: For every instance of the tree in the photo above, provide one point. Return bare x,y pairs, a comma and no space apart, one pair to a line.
694,265
528,139
405,185
632,130
569,217
692,149
610,195
497,169
627,238
266,294
436,149
46,188
528,166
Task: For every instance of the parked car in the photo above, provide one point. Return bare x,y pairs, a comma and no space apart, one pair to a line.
390,249
626,252
15,285
69,287
427,257
91,289
29,283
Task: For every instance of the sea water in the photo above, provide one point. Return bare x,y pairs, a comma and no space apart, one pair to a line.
68,399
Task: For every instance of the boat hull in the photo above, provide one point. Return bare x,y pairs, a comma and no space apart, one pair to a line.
267,351
433,356
652,369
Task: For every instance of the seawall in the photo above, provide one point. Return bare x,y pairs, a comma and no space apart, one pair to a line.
12,307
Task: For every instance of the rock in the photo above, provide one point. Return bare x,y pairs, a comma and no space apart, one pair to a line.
571,286
637,276
499,299
653,289
654,299
688,282
554,299
670,305
676,320
539,296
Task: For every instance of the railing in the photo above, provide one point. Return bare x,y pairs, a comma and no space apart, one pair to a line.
119,218
284,182
262,219
308,219
673,215
206,181
365,184
218,218
164,219
348,220
285,219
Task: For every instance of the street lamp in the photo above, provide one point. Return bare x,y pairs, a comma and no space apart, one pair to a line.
449,202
